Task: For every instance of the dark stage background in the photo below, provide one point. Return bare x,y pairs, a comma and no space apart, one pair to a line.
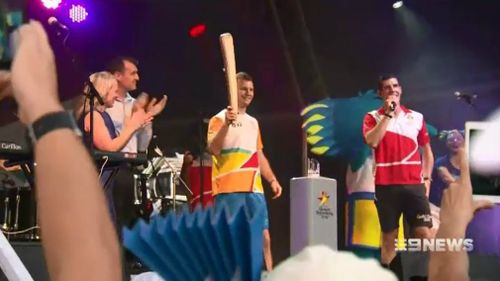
298,52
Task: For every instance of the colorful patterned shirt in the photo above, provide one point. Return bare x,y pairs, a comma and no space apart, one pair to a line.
236,168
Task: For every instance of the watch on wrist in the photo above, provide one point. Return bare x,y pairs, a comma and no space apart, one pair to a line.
427,179
387,115
50,122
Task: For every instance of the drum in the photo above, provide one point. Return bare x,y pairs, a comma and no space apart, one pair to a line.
158,194
201,179
17,205
163,184
158,187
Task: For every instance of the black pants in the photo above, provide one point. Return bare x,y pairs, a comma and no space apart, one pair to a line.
126,215
123,195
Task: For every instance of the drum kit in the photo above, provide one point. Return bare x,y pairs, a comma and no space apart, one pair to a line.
156,188
17,206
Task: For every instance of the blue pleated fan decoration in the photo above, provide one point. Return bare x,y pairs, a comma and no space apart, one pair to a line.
207,244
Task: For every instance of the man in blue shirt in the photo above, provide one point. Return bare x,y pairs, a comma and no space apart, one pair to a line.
447,167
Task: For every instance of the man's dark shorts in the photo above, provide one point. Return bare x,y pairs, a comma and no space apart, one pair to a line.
392,200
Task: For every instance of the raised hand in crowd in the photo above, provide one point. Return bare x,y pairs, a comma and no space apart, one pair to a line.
77,232
457,210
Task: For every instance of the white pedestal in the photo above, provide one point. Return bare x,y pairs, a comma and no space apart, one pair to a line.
313,213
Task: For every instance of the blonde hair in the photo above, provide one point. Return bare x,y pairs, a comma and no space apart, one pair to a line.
102,81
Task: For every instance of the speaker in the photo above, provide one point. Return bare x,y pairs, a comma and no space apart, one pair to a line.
31,254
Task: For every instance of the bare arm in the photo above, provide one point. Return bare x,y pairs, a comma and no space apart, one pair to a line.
102,139
449,265
427,164
187,162
144,137
457,210
445,175
215,141
268,174
265,167
77,230
186,165
427,160
375,135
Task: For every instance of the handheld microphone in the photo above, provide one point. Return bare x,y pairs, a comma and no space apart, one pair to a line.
467,98
392,106
54,22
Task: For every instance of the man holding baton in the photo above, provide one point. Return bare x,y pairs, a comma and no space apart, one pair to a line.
238,159
402,179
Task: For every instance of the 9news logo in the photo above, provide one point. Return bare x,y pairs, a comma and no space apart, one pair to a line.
434,245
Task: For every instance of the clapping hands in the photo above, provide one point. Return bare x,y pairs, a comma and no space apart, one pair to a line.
151,106
144,110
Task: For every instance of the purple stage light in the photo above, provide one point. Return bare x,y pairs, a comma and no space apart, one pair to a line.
51,4
78,13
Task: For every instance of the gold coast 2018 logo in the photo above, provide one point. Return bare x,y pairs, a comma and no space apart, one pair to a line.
323,198
324,211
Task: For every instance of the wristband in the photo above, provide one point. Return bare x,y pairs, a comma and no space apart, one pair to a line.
50,122
387,115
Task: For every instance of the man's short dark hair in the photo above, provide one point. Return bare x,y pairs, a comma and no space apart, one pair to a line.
244,76
118,64
383,78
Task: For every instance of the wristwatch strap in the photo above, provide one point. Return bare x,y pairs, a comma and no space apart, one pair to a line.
50,122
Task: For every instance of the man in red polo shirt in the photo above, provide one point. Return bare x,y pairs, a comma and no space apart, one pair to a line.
402,180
